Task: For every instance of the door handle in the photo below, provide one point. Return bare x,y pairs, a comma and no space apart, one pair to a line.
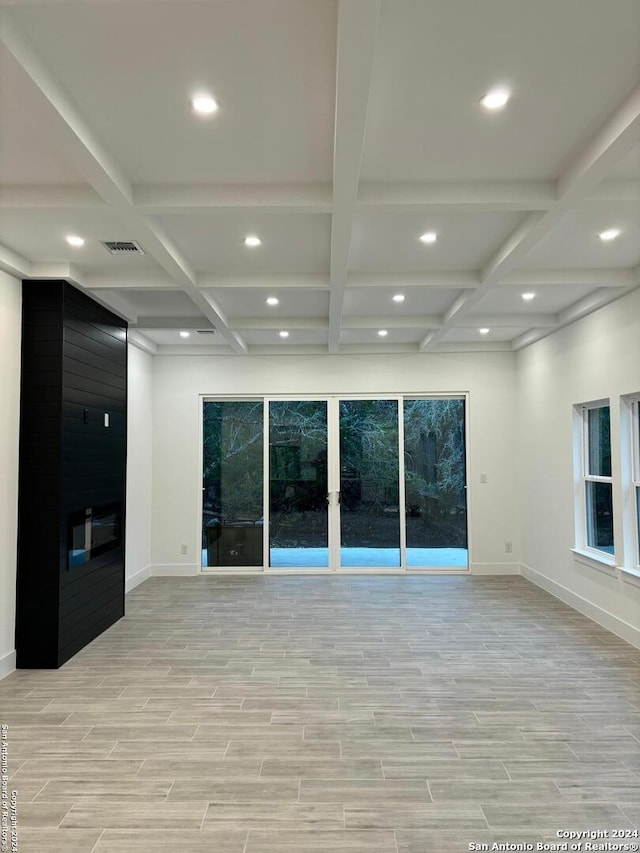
329,497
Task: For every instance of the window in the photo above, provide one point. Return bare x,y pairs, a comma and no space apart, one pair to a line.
635,467
596,523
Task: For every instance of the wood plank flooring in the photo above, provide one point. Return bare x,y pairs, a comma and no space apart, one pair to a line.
370,714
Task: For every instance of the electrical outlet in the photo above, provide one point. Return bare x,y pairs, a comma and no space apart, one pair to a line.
508,547
184,550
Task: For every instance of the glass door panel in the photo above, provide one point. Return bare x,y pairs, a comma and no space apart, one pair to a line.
435,494
232,491
369,483
298,509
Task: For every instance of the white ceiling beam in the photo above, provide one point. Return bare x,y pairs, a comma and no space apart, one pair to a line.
302,281
488,195
576,183
589,304
473,346
14,263
267,198
274,323
141,342
612,277
37,197
131,281
171,323
73,137
356,41
116,303
409,321
311,198
462,280
507,321
57,269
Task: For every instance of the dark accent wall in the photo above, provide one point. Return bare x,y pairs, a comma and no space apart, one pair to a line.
74,370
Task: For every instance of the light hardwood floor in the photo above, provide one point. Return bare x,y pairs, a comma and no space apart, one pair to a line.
371,714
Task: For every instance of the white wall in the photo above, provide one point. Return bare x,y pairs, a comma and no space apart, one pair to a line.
178,380
139,470
10,334
595,358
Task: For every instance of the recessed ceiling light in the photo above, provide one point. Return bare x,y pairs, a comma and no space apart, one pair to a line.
484,331
272,300
204,104
495,99
252,241
609,234
284,334
528,296
383,333
74,240
399,297
429,237
184,334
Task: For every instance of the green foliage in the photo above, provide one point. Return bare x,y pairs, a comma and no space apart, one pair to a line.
433,445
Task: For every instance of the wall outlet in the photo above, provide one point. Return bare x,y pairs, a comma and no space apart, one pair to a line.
508,547
184,550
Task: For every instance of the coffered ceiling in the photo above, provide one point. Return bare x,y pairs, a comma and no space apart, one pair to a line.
345,131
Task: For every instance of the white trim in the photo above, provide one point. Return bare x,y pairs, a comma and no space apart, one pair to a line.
631,576
628,633
174,570
319,571
494,568
594,561
137,578
7,664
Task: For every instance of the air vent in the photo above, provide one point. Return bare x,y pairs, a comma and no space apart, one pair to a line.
123,247
205,331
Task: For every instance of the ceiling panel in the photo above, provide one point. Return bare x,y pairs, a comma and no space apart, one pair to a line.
388,241
168,303
297,337
131,69
39,235
628,167
471,335
378,301
549,299
27,149
251,302
171,338
436,59
213,242
575,242
370,336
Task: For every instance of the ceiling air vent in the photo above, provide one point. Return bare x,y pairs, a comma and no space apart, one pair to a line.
123,247
205,331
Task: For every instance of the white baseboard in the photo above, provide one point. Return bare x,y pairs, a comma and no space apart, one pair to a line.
137,578
494,568
593,611
174,570
7,664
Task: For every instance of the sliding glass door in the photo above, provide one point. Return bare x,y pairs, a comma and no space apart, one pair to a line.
369,484
232,477
298,485
435,482
334,483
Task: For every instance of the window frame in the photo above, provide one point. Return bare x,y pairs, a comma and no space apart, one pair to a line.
583,477
634,434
